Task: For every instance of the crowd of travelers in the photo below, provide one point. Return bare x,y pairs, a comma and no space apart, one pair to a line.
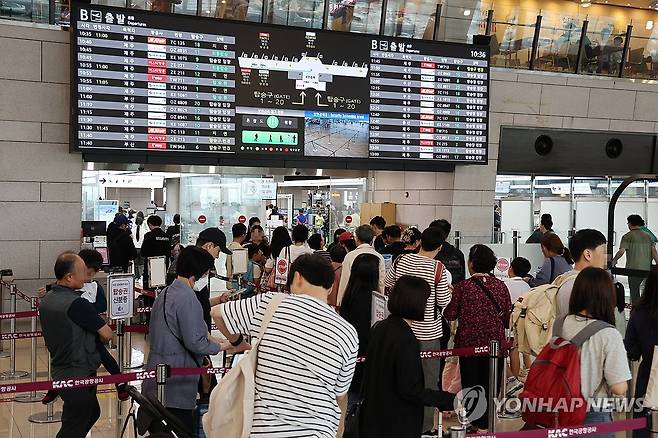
311,327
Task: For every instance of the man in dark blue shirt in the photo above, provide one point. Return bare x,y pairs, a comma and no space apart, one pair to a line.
71,327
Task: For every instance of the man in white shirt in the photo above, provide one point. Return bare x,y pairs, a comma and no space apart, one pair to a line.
588,249
364,236
306,357
239,232
517,272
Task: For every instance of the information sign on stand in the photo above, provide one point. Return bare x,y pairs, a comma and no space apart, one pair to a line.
282,267
378,308
120,296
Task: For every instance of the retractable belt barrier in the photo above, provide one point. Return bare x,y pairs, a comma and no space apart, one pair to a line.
80,382
572,431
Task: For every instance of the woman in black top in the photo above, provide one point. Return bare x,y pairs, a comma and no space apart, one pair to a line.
394,392
642,337
355,308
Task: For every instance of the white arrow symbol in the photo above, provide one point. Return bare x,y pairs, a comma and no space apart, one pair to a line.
318,96
303,96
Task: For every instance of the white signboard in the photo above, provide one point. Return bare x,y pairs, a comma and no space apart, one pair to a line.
282,267
157,271
134,181
120,296
259,188
378,308
240,261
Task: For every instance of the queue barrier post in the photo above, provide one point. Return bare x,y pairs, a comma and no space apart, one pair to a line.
33,396
12,373
50,416
457,431
458,239
119,331
161,374
516,237
652,422
494,354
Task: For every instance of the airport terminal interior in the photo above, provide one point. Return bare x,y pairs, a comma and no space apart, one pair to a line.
373,218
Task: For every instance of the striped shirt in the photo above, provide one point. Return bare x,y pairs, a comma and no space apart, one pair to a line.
305,360
423,267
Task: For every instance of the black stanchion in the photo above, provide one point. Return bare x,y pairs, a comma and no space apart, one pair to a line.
494,354
33,396
12,373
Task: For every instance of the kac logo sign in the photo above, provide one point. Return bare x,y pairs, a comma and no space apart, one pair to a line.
558,433
144,375
62,384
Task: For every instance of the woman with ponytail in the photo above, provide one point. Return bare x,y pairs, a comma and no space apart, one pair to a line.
557,260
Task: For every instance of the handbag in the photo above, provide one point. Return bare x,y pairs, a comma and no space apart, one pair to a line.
353,421
231,408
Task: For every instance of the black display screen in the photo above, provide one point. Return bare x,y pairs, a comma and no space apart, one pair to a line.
157,83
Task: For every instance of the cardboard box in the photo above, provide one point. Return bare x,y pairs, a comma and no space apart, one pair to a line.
387,210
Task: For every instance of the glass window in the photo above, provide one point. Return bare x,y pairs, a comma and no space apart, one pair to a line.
410,19
606,44
219,200
242,10
559,41
511,39
366,17
301,13
460,22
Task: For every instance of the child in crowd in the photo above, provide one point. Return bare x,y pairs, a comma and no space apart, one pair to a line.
251,278
94,293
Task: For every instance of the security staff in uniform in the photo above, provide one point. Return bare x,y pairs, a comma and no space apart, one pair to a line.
70,326
156,244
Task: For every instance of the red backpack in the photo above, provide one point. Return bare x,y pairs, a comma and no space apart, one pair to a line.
552,396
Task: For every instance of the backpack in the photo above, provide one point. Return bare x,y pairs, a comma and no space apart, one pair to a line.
231,407
552,396
533,316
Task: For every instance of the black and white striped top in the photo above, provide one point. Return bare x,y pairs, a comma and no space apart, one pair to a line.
424,267
305,360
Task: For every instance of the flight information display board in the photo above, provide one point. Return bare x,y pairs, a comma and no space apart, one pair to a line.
152,82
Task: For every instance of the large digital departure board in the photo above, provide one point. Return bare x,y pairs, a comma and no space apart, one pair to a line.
155,83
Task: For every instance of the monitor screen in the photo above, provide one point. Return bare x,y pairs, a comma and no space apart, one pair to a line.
159,83
93,228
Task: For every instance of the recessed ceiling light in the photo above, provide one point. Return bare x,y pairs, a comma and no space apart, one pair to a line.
467,12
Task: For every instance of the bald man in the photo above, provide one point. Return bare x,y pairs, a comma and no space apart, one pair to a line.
70,326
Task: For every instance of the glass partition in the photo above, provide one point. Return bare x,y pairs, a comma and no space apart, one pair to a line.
215,201
365,19
559,41
410,19
642,58
604,48
511,39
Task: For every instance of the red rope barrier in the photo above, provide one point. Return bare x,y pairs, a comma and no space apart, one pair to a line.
565,432
18,315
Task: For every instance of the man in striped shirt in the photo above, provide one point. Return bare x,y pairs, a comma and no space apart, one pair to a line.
306,357
429,331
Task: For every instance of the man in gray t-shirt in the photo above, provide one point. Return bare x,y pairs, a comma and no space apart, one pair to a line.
588,249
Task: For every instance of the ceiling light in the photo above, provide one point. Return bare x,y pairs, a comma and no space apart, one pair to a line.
649,25
467,12
585,3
